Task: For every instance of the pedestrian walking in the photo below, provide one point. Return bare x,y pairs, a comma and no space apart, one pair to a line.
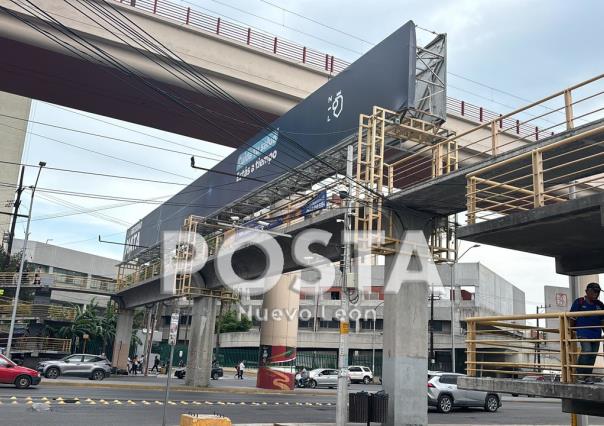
141,363
156,364
241,369
592,330
134,369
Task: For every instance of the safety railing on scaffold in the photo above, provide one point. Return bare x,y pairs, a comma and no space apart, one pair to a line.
38,344
59,281
511,347
504,133
51,312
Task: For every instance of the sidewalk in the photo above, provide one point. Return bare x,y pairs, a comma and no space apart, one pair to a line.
158,382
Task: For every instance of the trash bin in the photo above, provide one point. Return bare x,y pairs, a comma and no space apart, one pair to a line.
378,407
358,407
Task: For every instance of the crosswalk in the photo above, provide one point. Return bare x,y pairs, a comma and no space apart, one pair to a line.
74,401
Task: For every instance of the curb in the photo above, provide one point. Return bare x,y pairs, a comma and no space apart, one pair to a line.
237,390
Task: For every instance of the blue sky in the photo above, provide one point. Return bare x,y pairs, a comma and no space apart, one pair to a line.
501,55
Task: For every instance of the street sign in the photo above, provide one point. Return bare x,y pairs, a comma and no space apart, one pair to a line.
173,329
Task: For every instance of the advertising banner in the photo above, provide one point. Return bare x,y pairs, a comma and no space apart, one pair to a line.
383,76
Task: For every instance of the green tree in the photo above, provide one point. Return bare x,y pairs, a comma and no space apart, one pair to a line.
229,323
11,263
86,322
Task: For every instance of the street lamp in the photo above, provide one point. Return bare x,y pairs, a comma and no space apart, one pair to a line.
20,276
373,339
452,296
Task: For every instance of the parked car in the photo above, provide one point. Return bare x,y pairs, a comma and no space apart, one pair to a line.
444,394
14,374
360,374
94,367
322,377
216,373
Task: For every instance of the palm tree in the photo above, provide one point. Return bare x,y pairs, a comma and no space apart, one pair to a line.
108,324
85,322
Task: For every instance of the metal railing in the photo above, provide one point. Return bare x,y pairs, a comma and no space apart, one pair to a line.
240,33
509,347
503,133
45,312
38,344
564,170
59,281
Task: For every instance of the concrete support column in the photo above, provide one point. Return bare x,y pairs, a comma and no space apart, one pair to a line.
405,341
123,336
11,147
201,341
278,334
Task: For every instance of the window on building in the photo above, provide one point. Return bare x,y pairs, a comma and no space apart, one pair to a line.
306,324
438,326
335,295
367,324
329,324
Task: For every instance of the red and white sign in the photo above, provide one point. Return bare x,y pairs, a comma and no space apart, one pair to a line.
561,300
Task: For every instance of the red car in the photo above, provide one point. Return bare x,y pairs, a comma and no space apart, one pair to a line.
13,374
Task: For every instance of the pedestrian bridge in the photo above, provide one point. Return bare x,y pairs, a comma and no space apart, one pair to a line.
423,171
55,281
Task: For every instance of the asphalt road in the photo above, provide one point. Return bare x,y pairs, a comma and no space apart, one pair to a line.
120,407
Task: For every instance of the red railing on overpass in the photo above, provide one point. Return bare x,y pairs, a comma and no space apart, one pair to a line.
304,55
248,35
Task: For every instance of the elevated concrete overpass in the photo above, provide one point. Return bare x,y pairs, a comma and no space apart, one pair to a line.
267,74
56,67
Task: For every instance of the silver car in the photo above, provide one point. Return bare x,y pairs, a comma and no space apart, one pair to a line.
444,394
94,367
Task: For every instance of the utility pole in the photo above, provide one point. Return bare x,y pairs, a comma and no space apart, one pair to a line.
432,356
373,339
20,276
13,225
342,396
538,344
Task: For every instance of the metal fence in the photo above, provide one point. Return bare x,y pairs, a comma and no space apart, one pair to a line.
61,281
44,312
38,344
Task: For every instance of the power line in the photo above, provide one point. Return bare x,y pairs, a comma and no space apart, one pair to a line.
215,88
98,135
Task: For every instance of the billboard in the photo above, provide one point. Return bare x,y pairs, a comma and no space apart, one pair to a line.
384,76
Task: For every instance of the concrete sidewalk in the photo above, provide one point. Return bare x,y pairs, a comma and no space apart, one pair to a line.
159,383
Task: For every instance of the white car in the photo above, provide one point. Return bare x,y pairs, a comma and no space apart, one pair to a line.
360,374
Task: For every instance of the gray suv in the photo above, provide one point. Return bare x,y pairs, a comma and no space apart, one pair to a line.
444,394
94,367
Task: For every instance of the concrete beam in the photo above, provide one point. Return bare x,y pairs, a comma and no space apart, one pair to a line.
579,406
584,263
593,393
201,342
